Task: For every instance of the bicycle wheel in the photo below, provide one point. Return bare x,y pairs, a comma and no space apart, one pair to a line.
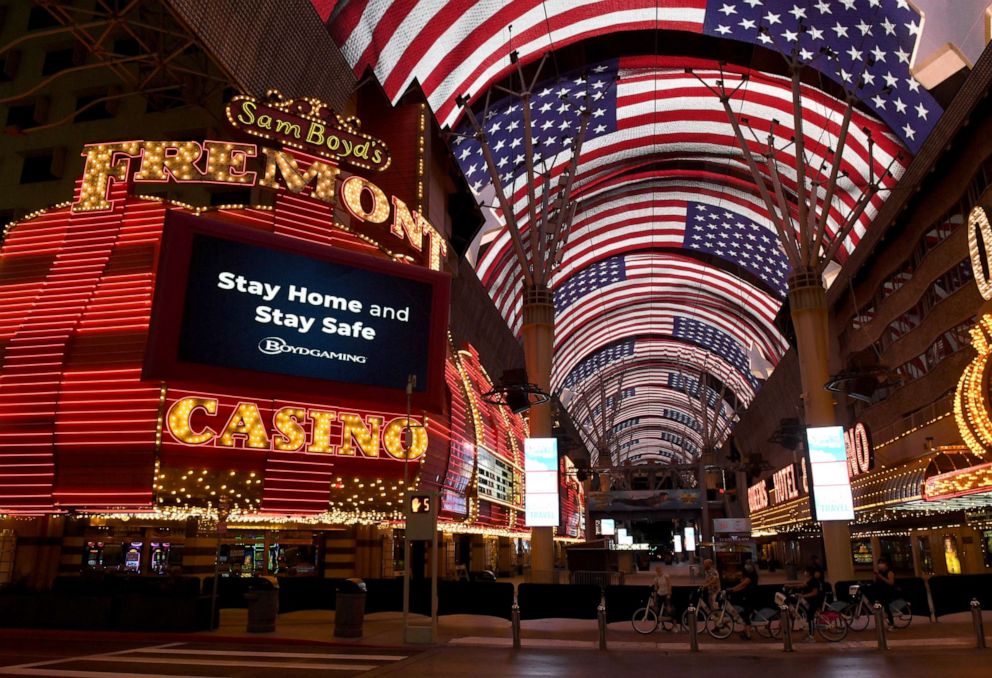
720,624
857,617
700,620
831,626
645,620
768,624
902,613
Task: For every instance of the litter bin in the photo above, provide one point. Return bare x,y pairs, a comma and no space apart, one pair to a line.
263,604
349,608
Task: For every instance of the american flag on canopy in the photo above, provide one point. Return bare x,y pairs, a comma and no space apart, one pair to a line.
679,441
682,418
455,47
714,340
598,360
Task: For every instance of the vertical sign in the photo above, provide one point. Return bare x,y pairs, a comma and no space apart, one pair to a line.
690,539
607,527
678,543
541,468
421,516
832,498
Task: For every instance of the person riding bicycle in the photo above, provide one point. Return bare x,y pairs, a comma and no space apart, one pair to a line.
711,582
883,588
813,593
663,590
747,587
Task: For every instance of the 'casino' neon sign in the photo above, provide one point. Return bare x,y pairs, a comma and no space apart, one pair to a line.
248,165
197,421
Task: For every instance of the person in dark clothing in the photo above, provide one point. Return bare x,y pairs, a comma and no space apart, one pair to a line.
883,588
813,593
747,588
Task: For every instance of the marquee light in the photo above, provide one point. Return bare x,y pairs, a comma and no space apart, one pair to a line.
357,434
971,399
979,244
223,162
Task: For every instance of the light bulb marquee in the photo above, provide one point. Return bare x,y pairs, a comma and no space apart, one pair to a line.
971,399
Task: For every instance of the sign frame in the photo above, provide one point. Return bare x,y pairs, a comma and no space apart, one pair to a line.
816,488
162,359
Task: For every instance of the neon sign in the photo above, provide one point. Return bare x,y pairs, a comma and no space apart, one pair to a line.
197,421
860,454
248,165
308,125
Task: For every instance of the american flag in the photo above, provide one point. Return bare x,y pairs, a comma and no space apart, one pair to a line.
599,360
736,238
678,441
690,386
716,341
682,418
459,46
865,46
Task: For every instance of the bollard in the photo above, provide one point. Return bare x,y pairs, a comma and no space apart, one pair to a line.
883,643
976,619
601,615
786,621
693,631
515,623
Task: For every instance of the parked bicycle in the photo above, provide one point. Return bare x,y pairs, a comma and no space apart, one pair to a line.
828,623
655,613
859,611
727,618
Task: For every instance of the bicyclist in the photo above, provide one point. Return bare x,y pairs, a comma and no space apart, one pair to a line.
662,589
883,588
711,582
747,587
812,592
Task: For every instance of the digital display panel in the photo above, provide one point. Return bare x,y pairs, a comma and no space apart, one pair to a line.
607,527
541,507
832,498
690,539
230,300
495,477
678,543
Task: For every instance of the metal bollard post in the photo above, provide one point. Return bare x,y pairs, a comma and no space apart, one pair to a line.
786,618
601,615
693,631
976,620
515,623
883,643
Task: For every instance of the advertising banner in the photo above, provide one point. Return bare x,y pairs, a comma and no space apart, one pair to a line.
255,302
832,498
541,466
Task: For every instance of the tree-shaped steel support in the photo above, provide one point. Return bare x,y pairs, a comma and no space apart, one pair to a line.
538,232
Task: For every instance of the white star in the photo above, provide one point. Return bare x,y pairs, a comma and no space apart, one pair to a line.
864,28
890,28
903,55
599,129
544,92
805,54
913,28
878,54
890,80
790,35
848,4
499,145
464,154
765,38
840,30
599,69
798,12
728,9
868,78
878,101
845,76
909,132
815,33
773,19
599,113
823,7
747,24
913,85
563,92
723,30
900,106
854,53
921,111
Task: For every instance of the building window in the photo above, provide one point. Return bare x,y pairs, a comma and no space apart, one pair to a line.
45,166
58,60
21,117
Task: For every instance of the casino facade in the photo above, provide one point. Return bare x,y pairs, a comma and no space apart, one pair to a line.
262,383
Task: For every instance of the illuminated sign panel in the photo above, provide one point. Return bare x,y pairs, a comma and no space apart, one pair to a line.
757,496
607,527
678,543
690,539
495,477
309,125
832,498
259,303
541,466
860,455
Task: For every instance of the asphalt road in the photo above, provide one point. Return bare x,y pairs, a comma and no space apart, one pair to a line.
99,659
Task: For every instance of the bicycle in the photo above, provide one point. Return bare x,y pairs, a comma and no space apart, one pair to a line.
646,619
859,611
827,623
727,618
698,599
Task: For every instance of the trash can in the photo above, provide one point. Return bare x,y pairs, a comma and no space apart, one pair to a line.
263,604
349,608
